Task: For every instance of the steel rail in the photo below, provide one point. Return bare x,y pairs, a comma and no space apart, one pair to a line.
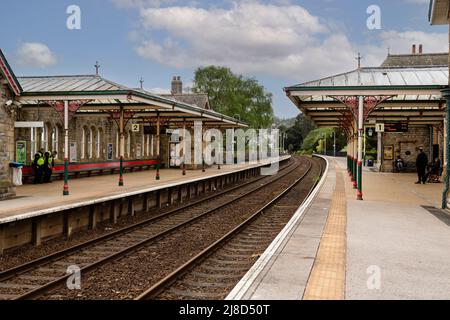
35,293
12,272
166,282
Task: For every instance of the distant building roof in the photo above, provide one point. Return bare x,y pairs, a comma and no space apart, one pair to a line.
197,99
416,60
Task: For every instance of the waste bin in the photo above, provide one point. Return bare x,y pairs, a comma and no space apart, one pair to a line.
16,173
370,163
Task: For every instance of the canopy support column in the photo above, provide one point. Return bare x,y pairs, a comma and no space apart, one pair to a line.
446,95
203,155
122,145
379,149
66,148
184,148
360,144
355,159
158,146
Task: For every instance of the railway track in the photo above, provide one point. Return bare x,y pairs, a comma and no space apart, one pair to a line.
213,273
37,277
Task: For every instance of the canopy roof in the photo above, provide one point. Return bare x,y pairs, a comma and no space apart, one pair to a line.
412,93
102,95
9,75
439,11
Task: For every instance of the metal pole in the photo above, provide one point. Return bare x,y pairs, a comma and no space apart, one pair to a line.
203,155
379,147
446,95
158,141
122,145
184,147
355,157
66,148
360,141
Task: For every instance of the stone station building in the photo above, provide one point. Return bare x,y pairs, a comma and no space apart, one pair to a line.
34,111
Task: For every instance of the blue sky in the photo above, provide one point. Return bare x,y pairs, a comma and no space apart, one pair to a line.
278,42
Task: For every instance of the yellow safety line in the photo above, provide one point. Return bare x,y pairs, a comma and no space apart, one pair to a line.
327,278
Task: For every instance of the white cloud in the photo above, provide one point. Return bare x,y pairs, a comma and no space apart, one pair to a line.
35,54
159,90
250,37
401,43
258,38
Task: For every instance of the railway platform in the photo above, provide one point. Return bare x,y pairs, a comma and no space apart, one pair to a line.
392,245
40,211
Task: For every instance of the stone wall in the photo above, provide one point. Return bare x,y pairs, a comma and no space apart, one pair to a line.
90,127
6,141
407,145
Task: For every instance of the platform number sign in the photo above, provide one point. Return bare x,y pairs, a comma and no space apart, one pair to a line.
379,127
135,127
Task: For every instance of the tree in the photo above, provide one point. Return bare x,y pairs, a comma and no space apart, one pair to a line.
315,140
297,132
235,96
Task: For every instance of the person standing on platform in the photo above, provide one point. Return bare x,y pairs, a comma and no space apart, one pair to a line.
38,164
48,167
421,165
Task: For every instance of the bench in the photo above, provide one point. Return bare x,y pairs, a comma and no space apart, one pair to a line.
78,170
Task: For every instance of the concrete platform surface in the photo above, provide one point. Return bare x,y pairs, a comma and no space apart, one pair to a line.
282,272
34,200
396,249
397,245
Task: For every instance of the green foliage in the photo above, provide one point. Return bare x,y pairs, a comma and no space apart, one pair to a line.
296,129
314,141
235,95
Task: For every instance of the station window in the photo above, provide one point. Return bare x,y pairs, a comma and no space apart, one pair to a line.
90,142
33,144
99,143
117,146
147,145
129,144
84,138
152,147
55,137
44,138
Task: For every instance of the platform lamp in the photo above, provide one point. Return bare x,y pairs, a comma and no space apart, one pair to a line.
439,15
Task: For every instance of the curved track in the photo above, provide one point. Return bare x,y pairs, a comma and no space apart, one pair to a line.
37,277
214,272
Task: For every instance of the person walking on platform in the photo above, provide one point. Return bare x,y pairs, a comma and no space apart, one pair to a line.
38,165
421,165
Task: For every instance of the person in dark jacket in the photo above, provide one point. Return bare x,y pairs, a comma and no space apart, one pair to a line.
37,166
421,165
48,166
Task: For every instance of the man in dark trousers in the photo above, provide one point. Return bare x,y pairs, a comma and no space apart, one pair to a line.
421,165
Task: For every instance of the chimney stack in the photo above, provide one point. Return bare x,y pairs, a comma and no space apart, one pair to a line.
177,85
413,49
420,49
